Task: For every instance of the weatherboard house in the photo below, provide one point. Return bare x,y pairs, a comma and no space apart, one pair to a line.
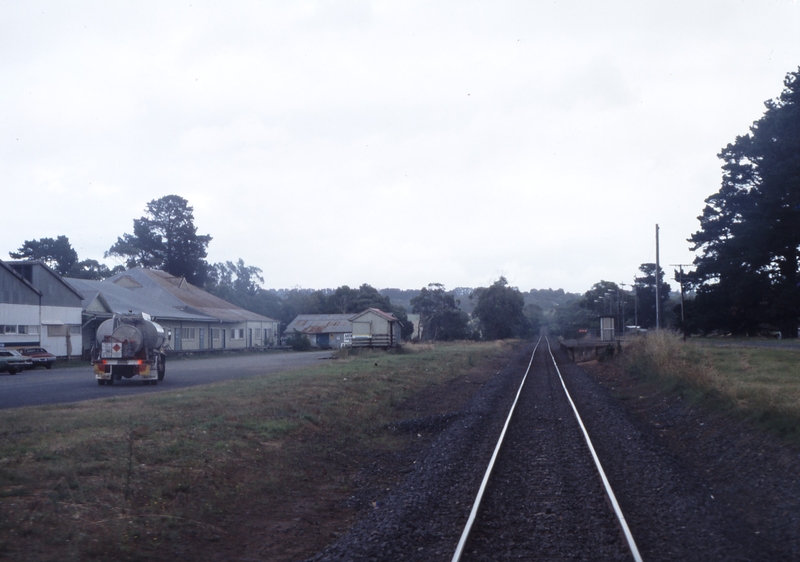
370,328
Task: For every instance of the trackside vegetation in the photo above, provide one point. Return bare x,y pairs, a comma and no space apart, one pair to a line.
760,383
146,477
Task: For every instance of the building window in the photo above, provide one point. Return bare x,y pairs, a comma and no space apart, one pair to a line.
75,330
56,330
237,333
215,333
187,334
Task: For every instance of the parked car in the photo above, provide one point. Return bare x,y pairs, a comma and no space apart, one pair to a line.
39,356
12,361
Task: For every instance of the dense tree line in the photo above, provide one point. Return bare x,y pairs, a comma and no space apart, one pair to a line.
580,315
440,317
746,275
499,311
240,284
59,255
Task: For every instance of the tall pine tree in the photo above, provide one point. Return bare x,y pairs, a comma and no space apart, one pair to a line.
747,273
166,238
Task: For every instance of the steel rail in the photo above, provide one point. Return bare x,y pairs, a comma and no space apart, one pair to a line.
476,505
609,492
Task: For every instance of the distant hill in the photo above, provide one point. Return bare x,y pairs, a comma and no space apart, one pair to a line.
400,297
546,299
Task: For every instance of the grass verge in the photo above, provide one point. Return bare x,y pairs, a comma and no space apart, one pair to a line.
169,475
758,383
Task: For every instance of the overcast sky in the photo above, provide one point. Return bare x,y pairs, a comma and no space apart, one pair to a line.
390,143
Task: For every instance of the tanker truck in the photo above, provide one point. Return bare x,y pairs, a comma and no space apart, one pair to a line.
129,345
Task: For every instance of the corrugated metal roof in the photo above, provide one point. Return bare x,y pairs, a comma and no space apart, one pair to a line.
178,293
321,324
122,300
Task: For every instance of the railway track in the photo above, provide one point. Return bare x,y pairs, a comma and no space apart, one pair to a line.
544,498
544,494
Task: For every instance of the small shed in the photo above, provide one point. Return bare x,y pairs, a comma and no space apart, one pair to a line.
607,328
376,328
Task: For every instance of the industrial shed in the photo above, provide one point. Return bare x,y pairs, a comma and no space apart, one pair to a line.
233,327
58,326
323,330
19,309
101,300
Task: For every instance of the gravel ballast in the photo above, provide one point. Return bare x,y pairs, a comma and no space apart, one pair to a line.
693,485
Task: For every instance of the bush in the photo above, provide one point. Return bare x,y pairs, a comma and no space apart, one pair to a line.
299,342
661,354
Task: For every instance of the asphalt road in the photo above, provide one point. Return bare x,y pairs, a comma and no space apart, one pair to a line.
57,386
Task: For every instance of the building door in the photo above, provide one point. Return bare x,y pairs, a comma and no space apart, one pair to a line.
202,338
177,343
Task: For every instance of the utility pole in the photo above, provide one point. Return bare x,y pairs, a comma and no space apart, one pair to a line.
658,296
680,280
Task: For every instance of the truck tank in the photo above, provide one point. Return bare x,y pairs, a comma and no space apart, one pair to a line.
129,345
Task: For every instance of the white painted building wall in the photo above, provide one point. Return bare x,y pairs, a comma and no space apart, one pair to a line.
26,315
61,330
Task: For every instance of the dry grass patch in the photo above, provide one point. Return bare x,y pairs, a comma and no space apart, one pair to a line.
177,473
760,383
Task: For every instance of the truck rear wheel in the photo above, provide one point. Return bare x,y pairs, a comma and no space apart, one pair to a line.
111,380
101,382
161,369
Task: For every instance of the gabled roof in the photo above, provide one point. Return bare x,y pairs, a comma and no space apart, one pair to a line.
182,295
388,316
19,278
19,264
321,324
116,299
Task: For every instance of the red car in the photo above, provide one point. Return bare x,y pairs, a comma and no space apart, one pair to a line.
39,356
